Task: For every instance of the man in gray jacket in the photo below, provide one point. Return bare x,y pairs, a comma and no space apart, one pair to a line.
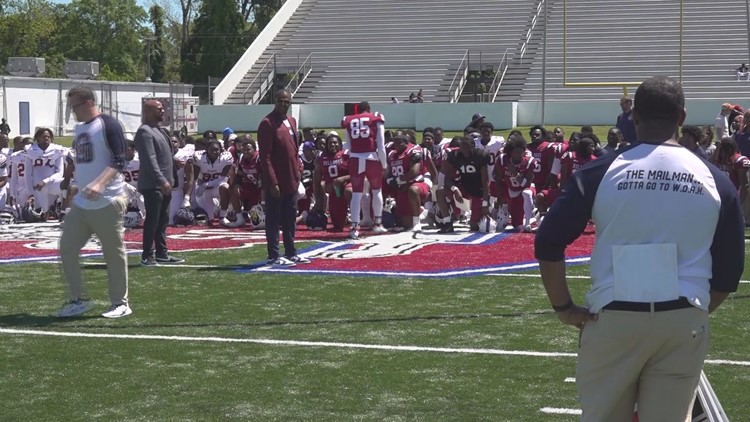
156,177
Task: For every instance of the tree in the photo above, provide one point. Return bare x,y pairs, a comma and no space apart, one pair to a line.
216,42
29,29
156,50
110,32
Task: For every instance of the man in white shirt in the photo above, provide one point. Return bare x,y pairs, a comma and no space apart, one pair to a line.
721,124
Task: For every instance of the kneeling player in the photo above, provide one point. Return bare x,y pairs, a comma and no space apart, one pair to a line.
514,171
406,165
246,190
213,171
470,164
332,168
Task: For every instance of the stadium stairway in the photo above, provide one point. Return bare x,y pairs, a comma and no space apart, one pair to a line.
630,40
377,49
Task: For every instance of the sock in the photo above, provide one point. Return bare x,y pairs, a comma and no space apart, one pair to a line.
377,204
355,206
415,221
528,207
365,203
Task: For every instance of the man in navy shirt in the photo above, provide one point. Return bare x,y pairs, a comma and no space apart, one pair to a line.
644,326
625,120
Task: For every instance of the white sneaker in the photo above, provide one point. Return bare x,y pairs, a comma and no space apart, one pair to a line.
280,262
354,234
225,222
118,311
298,259
527,229
379,229
75,308
239,222
417,228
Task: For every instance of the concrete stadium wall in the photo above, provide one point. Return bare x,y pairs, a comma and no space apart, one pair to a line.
451,117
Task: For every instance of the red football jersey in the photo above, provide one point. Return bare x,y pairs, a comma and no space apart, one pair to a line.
513,175
333,165
544,155
248,167
363,131
574,162
401,163
738,163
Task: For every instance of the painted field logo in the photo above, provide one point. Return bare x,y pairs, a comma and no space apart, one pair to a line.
428,255
405,254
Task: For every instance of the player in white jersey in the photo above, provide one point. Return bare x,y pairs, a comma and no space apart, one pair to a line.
3,180
130,174
45,163
213,179
494,147
17,194
183,185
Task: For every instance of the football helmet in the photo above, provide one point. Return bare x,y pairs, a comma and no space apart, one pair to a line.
132,218
31,214
487,224
257,217
316,220
201,216
502,218
8,215
184,217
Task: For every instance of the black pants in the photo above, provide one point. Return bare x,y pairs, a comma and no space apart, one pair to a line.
280,212
155,225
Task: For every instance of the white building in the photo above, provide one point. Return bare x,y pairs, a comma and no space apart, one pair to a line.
29,103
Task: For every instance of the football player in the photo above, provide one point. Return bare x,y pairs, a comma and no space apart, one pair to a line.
245,187
17,193
185,180
494,147
735,165
212,181
365,141
332,169
45,163
3,179
514,173
307,159
465,176
4,142
130,174
406,164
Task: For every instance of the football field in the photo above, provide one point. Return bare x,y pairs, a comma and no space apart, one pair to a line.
214,340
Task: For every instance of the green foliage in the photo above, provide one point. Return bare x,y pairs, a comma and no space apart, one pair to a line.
216,42
106,31
158,58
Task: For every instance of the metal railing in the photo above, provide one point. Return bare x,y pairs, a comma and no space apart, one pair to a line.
502,68
303,71
459,79
530,31
263,81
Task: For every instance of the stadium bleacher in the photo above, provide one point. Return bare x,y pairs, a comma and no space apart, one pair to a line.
390,48
631,40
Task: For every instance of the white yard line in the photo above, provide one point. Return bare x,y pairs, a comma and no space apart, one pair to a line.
560,411
14,331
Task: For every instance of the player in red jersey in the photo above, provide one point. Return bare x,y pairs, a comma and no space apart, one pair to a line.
544,155
246,189
407,165
514,172
729,160
332,168
365,141
308,153
574,159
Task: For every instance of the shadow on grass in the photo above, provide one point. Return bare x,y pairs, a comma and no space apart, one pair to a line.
27,320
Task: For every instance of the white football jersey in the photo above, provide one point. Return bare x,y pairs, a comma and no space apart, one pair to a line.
208,171
44,164
4,164
17,173
130,172
494,149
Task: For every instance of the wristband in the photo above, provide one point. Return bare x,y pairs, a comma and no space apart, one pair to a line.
485,203
565,307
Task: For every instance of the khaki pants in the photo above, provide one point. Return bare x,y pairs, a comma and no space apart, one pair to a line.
106,224
650,358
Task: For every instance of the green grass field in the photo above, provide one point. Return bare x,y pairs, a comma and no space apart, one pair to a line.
190,370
